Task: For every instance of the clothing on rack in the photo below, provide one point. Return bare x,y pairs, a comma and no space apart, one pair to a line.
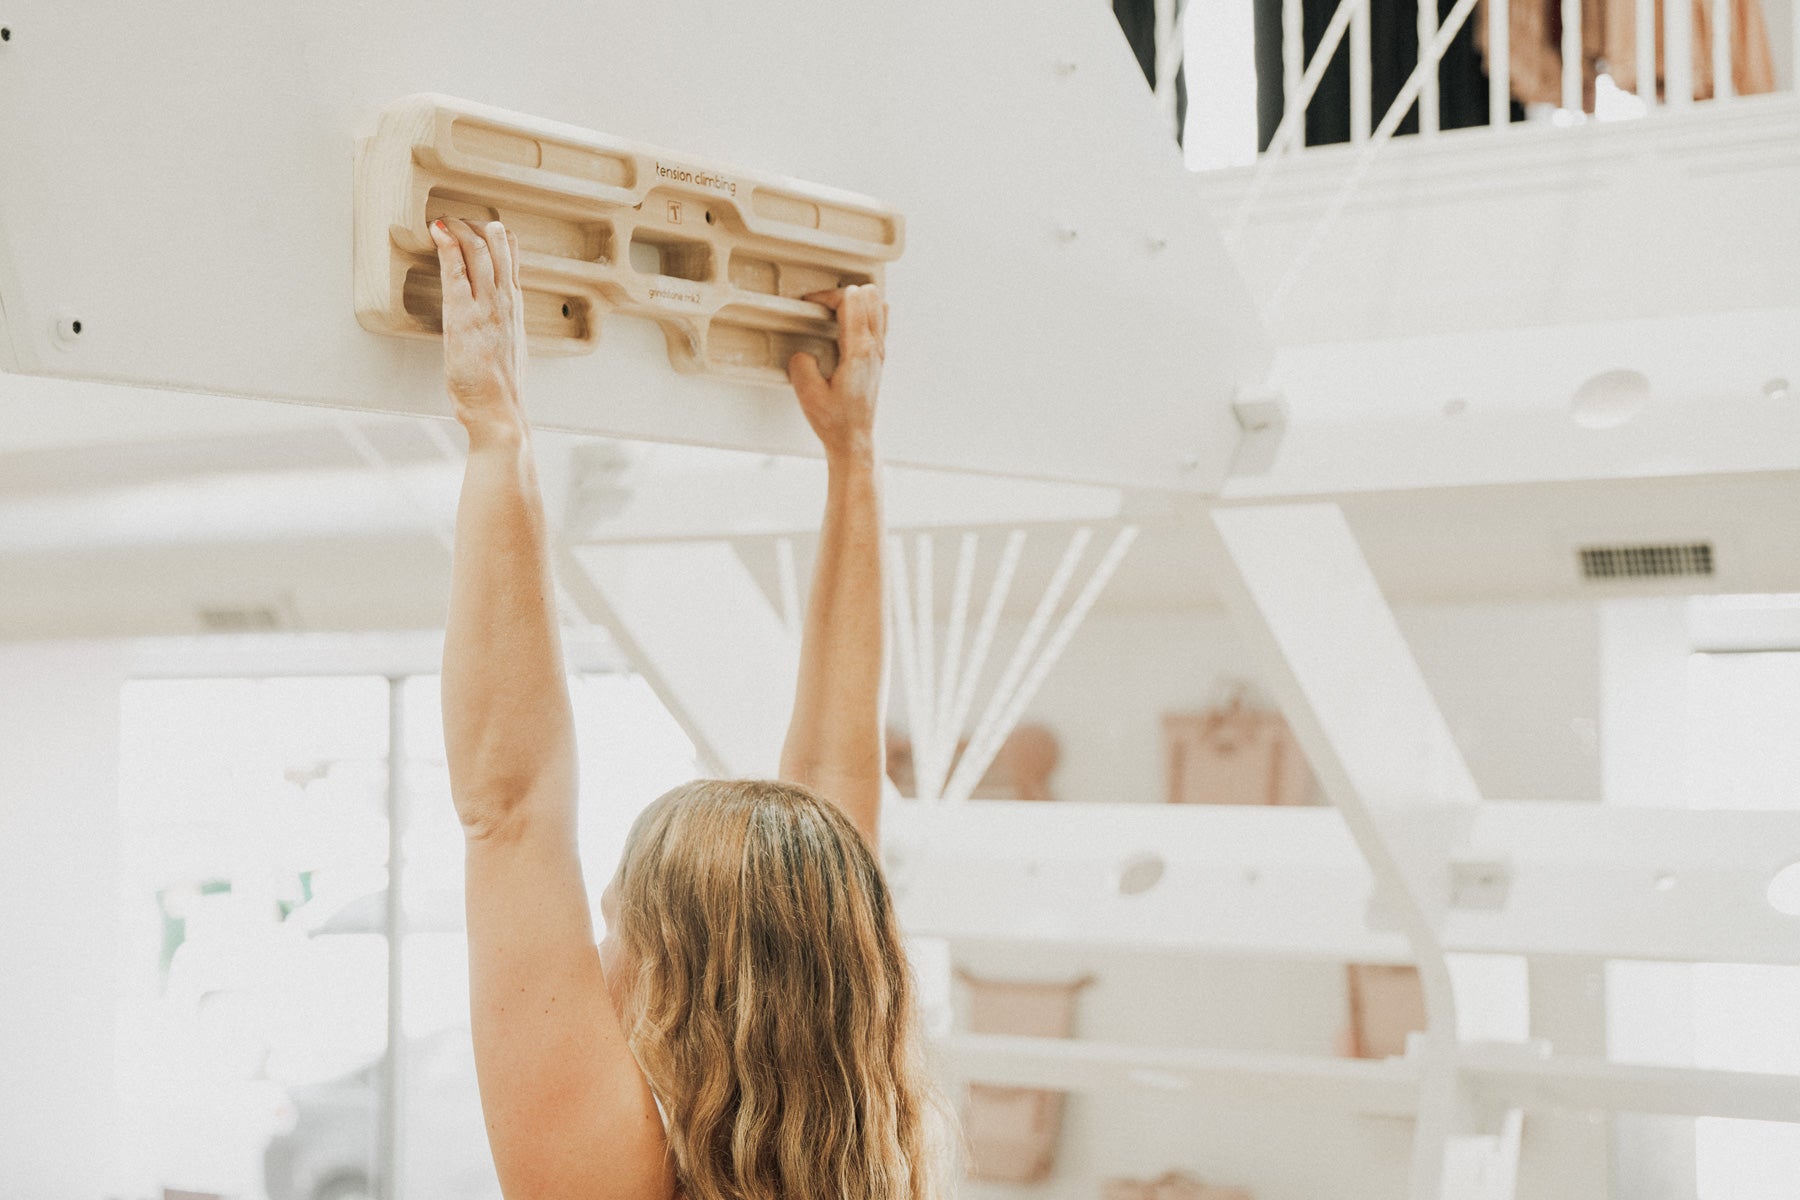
1235,754
1609,47
1012,1132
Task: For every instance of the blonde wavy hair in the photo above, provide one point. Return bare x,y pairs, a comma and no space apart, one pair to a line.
771,1005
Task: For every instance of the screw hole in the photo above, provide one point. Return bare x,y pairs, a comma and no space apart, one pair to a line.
1138,873
565,310
75,327
709,216
5,35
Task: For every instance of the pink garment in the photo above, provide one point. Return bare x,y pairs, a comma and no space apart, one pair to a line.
1235,755
1012,1132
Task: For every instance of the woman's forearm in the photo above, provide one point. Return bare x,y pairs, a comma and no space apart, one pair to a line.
835,742
508,728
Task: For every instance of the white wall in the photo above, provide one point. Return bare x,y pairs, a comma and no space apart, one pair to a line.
59,715
1518,684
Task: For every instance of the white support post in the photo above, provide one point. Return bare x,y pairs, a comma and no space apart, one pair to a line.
1428,65
1168,59
1724,86
950,673
1645,45
1409,91
1293,64
1362,87
925,736
970,674
1499,31
692,619
1305,601
981,753
1296,97
1678,54
906,655
962,782
1571,56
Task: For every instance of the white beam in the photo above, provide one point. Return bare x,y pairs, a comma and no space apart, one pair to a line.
1569,880
1506,1078
691,618
1386,1088
1233,880
679,493
1733,434
1499,1076
1304,600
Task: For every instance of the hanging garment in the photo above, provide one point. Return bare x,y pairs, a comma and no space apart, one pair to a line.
1609,46
1393,54
1173,1185
1012,1132
1234,754
1386,1004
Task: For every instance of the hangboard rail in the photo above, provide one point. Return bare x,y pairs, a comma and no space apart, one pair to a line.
719,258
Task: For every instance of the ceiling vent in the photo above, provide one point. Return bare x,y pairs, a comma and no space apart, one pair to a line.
1670,560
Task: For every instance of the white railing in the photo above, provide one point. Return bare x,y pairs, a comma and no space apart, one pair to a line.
1586,87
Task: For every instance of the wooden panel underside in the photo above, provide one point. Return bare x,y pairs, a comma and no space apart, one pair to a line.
720,259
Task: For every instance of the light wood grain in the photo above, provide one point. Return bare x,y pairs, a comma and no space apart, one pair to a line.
720,258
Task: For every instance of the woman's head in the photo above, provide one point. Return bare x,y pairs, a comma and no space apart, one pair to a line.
766,993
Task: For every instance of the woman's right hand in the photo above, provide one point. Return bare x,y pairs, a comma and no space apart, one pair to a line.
841,410
484,324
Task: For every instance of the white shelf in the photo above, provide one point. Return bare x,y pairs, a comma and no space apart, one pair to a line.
1505,1076
1385,1088
1581,879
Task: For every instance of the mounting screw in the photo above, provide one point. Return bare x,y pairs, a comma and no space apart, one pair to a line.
1064,67
5,33
1776,389
1189,464
68,327
1066,234
1156,243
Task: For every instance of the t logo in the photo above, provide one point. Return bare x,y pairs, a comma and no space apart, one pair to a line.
674,212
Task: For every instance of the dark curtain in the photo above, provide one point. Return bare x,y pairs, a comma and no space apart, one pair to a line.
1393,52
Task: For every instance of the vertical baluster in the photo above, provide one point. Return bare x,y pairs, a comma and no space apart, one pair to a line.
1428,91
1678,52
1499,17
1646,52
1724,86
1293,61
1361,85
1571,54
926,746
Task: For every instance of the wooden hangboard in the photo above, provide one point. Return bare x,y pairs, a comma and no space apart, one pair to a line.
718,257
184,182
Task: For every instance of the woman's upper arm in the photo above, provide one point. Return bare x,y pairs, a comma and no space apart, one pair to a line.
567,1108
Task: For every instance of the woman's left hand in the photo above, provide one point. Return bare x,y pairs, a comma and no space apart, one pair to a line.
484,324
841,410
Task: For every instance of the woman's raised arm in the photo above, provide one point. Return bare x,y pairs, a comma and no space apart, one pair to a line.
568,1111
835,741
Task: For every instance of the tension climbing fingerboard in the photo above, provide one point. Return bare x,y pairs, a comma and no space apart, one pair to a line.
719,258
